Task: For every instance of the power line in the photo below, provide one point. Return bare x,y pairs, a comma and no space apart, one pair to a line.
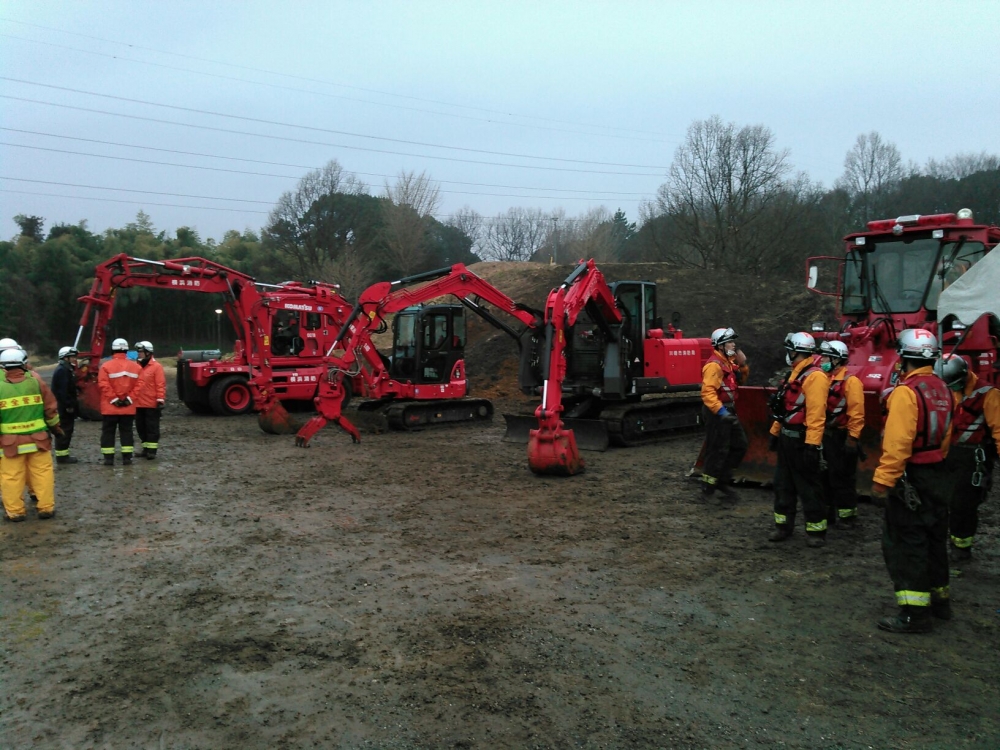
322,143
296,166
132,190
325,82
331,131
135,203
311,92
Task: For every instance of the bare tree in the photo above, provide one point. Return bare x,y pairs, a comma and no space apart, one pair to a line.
516,234
291,229
470,223
412,199
873,169
960,166
721,197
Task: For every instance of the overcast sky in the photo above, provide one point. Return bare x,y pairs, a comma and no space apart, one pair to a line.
216,108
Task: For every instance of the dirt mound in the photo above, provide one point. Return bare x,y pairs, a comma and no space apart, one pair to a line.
762,312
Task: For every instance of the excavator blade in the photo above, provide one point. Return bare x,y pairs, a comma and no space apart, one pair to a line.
275,420
753,409
554,453
589,434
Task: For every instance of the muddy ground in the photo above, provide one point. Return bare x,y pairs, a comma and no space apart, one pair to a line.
425,590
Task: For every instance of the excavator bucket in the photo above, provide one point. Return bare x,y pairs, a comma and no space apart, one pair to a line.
554,452
275,420
589,434
89,402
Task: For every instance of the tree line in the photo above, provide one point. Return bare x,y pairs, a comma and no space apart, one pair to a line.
730,201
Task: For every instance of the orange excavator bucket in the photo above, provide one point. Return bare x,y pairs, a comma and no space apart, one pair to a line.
554,452
275,420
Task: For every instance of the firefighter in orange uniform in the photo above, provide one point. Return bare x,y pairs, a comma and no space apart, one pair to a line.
28,409
117,379
799,409
911,481
725,439
845,418
975,436
150,396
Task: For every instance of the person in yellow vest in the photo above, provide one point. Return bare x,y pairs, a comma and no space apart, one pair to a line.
28,409
799,410
845,418
911,482
725,438
116,380
975,436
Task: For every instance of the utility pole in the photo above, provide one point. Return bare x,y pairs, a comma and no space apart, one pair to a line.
555,240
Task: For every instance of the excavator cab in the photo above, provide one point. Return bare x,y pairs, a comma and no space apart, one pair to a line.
427,342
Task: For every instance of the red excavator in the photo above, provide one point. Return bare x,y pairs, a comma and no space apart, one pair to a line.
584,351
935,272
424,381
289,326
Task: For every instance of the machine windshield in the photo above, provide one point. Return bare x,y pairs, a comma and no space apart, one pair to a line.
897,276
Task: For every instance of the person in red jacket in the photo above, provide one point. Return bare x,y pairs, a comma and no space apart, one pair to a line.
117,380
725,439
150,396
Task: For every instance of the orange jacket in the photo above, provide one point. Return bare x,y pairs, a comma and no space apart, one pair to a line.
816,388
854,393
713,382
901,431
117,379
152,386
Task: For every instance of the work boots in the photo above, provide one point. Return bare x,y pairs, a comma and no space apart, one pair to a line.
67,460
149,453
909,620
960,554
127,459
941,608
781,533
109,460
815,540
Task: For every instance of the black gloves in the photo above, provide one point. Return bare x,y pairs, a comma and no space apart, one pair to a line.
772,443
811,458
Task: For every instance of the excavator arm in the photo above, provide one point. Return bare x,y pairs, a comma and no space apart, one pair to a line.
552,448
360,358
124,272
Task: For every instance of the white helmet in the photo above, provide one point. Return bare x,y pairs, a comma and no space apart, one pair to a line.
801,342
13,358
953,370
119,345
67,351
7,344
834,350
722,336
144,346
918,344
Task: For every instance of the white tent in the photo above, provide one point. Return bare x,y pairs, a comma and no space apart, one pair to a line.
976,292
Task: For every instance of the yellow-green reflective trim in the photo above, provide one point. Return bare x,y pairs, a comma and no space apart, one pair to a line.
127,449
151,446
780,519
708,479
962,542
913,598
941,592
53,421
847,512
63,453
818,526
23,428
108,451
24,448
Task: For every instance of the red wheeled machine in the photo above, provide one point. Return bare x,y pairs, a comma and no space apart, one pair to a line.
900,273
289,326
